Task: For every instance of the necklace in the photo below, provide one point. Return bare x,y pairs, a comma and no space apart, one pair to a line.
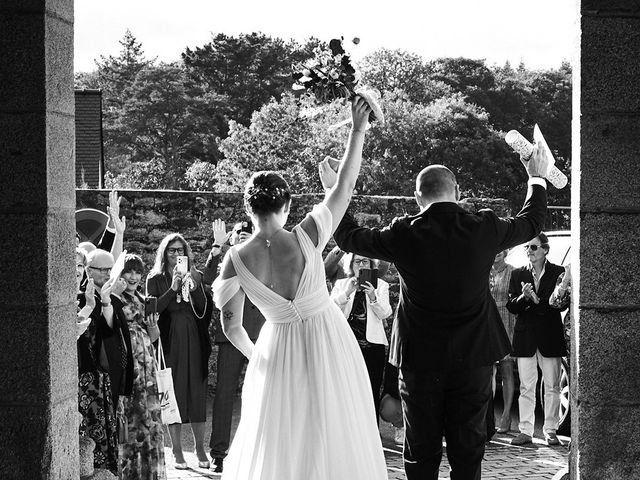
267,242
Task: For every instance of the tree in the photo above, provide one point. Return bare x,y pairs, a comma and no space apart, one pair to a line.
448,131
289,136
170,121
249,69
401,71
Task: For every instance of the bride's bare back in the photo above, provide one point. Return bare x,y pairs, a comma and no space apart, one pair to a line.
281,265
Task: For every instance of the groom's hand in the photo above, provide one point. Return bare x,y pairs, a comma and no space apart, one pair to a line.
538,164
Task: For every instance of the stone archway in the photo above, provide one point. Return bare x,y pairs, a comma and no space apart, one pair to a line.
38,435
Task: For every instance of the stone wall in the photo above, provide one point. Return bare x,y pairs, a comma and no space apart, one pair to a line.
606,206
153,214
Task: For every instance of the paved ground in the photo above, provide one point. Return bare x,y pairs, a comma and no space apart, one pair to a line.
502,461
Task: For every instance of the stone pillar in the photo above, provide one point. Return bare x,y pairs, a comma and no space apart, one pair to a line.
38,366
606,204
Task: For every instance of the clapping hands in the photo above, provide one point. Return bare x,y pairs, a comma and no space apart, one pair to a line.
529,292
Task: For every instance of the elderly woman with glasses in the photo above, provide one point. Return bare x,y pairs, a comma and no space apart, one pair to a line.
182,305
538,339
366,307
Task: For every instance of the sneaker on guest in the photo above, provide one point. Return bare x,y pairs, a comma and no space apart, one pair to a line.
521,439
552,438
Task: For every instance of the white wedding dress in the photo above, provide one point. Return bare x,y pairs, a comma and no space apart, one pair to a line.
307,408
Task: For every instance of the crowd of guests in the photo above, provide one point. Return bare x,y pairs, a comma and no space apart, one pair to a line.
118,333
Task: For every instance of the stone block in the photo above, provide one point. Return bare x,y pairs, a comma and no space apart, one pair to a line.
25,333
608,255
86,456
25,251
59,69
149,218
23,149
65,448
608,358
61,245
607,442
609,162
61,160
59,8
37,441
605,7
608,76
63,361
23,62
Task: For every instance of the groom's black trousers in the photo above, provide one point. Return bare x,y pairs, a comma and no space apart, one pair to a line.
452,403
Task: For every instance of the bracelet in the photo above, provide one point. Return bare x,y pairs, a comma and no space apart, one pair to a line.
215,245
358,131
105,304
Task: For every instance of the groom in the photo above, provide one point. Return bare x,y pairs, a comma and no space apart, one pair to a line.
447,333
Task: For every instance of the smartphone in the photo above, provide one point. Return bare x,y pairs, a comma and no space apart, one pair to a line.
368,275
246,227
150,305
183,263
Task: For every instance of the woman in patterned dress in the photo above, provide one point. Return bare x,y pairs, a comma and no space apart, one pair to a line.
141,456
95,402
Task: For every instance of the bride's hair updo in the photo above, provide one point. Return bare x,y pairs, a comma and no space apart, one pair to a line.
266,192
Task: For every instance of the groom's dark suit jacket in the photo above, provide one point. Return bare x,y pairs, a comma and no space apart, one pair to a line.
446,317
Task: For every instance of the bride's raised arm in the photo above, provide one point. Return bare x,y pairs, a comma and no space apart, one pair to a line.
339,195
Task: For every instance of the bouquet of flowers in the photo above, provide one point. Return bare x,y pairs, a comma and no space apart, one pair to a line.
330,76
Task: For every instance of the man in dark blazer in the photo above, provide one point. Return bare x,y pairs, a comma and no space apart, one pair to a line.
538,339
447,334
230,360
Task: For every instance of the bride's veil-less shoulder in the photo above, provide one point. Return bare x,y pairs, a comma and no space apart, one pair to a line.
307,409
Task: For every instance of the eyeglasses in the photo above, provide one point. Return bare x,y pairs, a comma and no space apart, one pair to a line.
101,270
175,251
533,248
362,261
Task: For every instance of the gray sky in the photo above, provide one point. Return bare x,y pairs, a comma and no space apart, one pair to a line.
541,33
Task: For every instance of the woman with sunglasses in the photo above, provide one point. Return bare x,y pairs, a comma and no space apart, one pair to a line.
538,339
185,339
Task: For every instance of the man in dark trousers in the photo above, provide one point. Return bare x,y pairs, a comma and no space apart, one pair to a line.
447,335
230,360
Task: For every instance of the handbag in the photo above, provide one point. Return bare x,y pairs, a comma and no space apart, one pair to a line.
169,411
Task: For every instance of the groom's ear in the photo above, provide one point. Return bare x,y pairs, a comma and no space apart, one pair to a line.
419,199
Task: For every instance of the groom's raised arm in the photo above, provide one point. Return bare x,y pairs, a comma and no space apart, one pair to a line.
370,242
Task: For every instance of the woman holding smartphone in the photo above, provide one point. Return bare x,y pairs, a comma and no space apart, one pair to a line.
141,454
366,307
182,305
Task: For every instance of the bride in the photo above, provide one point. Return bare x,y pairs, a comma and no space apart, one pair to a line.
307,409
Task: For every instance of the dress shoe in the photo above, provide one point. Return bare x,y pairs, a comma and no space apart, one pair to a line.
521,439
552,438
181,466
218,465
502,430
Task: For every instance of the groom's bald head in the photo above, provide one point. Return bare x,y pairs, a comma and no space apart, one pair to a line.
436,183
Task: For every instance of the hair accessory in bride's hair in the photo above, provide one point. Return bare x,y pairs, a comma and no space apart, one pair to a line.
272,192
330,76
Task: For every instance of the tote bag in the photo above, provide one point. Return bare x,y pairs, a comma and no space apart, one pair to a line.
168,404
